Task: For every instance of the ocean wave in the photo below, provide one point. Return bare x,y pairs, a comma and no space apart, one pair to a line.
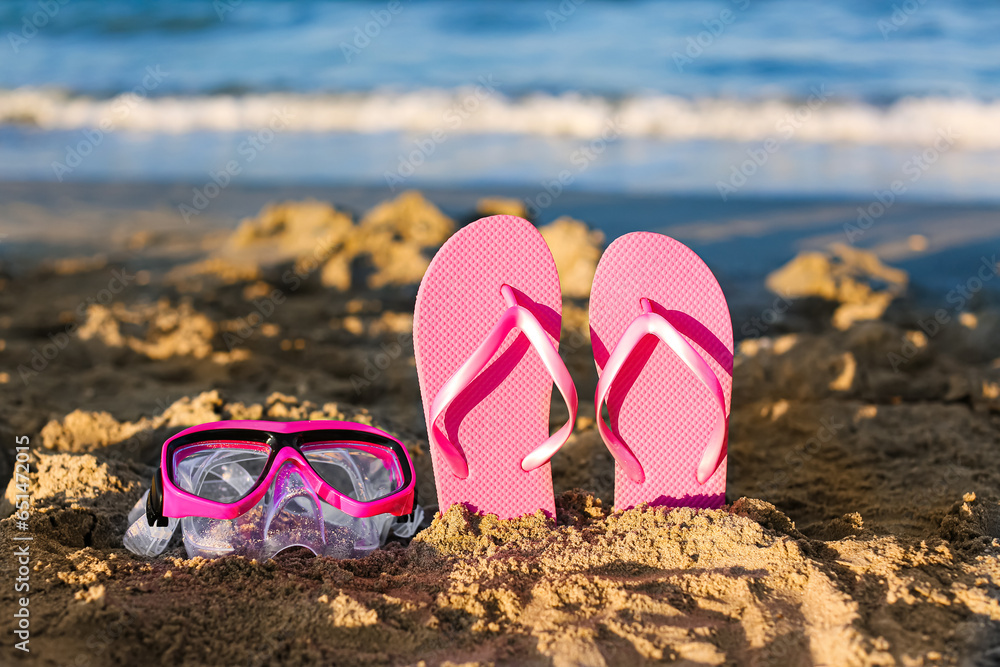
972,124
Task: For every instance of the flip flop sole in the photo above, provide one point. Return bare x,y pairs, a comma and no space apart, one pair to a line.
660,409
504,413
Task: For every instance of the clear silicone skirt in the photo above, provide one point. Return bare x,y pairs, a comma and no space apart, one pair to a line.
289,513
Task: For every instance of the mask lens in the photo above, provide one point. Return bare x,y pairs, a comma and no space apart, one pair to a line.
360,471
223,472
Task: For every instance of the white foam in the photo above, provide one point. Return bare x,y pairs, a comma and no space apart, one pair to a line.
912,121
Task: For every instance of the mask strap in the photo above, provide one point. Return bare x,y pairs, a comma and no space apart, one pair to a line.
143,539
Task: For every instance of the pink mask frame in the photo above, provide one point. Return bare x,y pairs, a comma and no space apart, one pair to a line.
285,441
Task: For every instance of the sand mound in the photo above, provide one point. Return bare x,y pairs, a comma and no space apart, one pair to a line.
397,237
501,206
82,431
394,237
157,331
856,279
576,249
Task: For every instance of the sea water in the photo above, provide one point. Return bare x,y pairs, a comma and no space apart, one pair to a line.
729,98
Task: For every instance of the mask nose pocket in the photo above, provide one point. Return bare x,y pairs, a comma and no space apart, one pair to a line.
294,516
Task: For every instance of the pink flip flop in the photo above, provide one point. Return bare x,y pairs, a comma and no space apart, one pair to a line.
663,343
485,336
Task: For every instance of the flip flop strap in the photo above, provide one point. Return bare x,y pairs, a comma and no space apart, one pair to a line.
519,317
653,323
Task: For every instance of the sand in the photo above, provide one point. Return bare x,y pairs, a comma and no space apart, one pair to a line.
863,516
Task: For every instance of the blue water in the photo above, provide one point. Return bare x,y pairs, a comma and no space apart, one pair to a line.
770,48
892,73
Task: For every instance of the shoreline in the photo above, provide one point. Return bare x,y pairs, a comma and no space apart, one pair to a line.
758,234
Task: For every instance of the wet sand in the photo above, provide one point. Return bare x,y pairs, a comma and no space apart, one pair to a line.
863,518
